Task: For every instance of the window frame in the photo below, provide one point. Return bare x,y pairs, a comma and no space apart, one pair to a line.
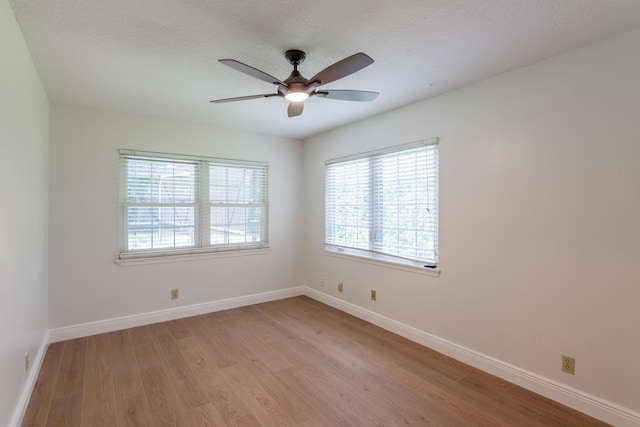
371,255
202,205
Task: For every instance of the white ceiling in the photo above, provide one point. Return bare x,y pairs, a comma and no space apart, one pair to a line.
159,57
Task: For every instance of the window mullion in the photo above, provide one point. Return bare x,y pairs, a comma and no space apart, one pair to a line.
152,221
124,234
373,202
203,220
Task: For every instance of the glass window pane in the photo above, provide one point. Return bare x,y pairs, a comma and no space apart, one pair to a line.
155,227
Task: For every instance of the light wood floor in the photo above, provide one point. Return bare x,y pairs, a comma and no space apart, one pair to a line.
292,362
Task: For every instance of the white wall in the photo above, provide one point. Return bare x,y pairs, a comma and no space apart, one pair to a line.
539,218
23,212
85,283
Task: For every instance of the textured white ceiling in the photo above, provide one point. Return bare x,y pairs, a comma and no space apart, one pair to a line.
159,57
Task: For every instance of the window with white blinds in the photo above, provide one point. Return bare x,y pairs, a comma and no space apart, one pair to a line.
174,204
384,204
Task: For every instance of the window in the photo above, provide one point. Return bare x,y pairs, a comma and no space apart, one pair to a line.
174,205
384,205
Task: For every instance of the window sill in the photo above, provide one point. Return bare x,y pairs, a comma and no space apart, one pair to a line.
412,268
160,259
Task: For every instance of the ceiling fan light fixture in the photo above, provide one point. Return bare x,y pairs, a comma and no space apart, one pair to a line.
296,96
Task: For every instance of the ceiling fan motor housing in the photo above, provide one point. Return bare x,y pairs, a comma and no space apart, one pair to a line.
295,56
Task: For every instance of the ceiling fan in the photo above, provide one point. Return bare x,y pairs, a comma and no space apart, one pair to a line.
296,89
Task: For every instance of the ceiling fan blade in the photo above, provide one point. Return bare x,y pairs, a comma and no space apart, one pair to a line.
244,98
348,95
295,109
253,72
341,69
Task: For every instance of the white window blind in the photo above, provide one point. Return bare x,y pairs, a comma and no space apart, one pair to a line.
384,204
174,204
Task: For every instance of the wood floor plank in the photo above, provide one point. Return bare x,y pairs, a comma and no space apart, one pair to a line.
298,407
263,407
207,329
166,409
178,329
335,382
252,337
99,401
318,421
132,408
189,391
311,393
205,416
70,380
225,401
160,392
271,381
546,411
446,395
288,362
65,411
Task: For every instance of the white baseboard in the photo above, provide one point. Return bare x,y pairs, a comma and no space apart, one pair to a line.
116,324
584,402
29,385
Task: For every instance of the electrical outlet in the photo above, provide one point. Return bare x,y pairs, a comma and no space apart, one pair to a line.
339,286
373,295
174,294
568,365
26,362
322,283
